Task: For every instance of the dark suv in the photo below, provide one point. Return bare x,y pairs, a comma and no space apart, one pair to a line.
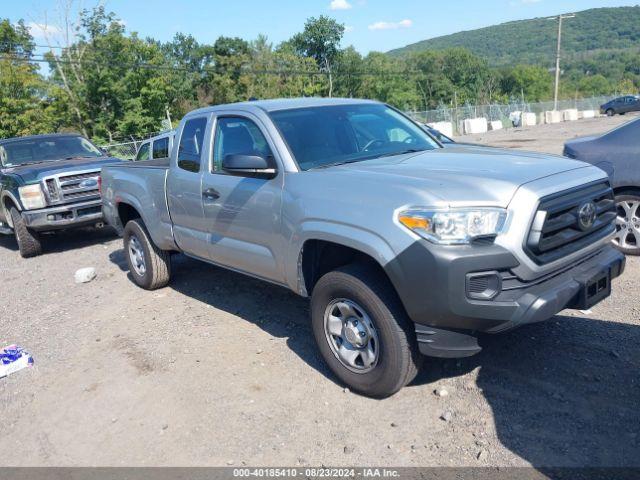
48,182
621,105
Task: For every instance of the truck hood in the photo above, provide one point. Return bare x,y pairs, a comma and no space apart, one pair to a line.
574,142
469,175
35,172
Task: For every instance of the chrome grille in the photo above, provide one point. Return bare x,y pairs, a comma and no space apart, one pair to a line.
68,187
557,230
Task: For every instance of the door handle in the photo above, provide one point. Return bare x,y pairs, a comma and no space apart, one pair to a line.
211,194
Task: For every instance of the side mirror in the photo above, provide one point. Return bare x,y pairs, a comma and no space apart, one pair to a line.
248,165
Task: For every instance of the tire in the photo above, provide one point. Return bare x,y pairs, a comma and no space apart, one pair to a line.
156,262
398,358
627,238
28,240
610,112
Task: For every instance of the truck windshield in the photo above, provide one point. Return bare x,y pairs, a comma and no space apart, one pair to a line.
332,135
36,150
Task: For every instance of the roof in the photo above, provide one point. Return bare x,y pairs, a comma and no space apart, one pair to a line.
4,141
286,104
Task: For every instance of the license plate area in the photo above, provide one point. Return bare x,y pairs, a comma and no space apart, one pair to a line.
593,290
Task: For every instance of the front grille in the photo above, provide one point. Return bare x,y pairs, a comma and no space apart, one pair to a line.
52,189
67,188
557,230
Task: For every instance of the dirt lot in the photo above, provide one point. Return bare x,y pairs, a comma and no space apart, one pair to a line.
220,369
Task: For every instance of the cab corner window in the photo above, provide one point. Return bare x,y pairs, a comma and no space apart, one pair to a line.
143,153
238,136
191,142
161,148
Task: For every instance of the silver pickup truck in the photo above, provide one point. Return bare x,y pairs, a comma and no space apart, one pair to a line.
405,248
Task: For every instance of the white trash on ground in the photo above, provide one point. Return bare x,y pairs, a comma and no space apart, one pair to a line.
85,275
12,359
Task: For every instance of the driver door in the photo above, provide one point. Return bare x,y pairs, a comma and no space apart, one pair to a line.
243,213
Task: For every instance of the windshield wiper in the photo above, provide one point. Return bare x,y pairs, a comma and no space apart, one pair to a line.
27,163
335,164
78,157
370,157
403,152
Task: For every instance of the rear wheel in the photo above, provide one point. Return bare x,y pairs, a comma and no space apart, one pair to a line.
627,238
363,332
150,267
610,112
28,240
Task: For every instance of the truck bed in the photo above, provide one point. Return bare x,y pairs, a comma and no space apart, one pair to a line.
143,185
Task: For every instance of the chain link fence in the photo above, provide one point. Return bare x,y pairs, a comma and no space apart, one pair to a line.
503,112
127,149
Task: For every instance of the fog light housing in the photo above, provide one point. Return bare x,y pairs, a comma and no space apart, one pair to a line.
483,285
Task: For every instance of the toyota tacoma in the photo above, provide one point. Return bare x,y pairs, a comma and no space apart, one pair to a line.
405,248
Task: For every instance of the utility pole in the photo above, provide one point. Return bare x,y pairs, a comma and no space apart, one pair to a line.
559,18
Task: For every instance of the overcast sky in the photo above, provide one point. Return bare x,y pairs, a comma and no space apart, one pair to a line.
371,24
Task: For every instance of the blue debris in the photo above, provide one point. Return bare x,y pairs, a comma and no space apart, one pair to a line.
12,359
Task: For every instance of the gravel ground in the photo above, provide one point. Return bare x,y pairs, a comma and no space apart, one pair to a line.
220,369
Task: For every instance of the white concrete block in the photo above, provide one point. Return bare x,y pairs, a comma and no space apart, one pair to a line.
552,116
528,119
570,115
446,128
475,125
588,113
495,125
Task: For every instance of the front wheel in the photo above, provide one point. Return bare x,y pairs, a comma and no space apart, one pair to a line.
610,112
627,238
363,332
150,267
28,240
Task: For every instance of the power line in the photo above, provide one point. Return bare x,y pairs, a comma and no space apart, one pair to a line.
241,69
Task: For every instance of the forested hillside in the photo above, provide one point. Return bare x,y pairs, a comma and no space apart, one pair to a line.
533,41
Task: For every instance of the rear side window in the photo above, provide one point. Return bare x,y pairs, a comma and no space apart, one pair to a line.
191,142
161,148
143,153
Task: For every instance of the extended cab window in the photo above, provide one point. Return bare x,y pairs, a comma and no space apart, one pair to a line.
143,153
161,148
238,136
191,141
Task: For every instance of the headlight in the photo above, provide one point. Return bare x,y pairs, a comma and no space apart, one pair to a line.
454,226
32,197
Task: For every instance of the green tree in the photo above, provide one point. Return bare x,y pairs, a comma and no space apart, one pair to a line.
320,40
535,83
24,106
594,85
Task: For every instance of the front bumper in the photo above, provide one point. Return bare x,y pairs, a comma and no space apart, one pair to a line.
64,216
432,282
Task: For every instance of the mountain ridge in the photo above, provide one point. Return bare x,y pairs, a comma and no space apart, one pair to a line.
533,41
